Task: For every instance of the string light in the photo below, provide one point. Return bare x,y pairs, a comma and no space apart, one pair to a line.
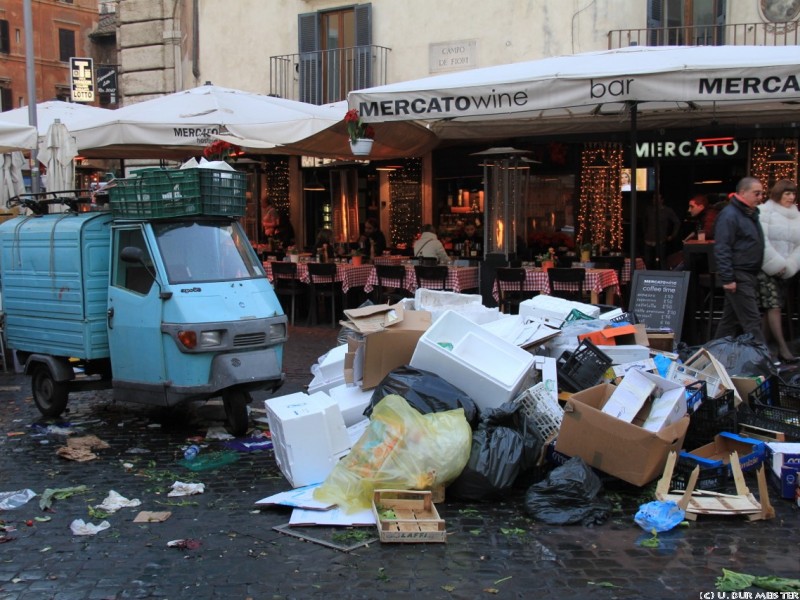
600,200
405,189
276,179
767,172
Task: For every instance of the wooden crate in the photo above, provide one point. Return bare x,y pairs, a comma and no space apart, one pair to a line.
415,518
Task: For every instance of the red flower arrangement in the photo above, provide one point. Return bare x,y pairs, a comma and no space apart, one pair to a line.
221,150
356,129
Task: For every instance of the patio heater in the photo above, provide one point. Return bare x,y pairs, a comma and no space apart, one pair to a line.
506,172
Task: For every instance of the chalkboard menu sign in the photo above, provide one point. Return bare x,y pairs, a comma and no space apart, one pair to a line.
658,299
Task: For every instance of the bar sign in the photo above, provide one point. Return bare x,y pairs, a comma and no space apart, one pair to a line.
82,76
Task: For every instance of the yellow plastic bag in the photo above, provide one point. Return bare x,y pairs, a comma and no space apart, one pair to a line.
400,449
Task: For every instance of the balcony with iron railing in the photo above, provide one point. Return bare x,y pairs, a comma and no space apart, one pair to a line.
740,34
326,76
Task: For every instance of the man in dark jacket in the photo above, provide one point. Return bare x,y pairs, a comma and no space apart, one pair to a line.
739,250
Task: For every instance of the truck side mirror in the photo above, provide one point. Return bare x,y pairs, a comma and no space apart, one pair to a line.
132,254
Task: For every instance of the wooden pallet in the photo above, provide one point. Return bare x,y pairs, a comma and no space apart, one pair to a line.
700,502
407,516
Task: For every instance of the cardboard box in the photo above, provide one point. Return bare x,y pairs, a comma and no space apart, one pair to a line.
661,341
370,319
618,336
372,358
745,385
624,450
308,435
751,452
783,460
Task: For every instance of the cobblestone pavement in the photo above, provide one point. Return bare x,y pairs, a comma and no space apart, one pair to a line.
493,550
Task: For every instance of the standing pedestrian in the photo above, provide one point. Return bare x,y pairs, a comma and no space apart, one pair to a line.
780,222
739,253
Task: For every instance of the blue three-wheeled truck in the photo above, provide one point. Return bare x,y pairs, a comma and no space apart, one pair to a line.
160,297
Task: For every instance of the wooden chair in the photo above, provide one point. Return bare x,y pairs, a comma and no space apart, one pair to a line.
323,286
287,285
431,277
567,283
512,293
390,288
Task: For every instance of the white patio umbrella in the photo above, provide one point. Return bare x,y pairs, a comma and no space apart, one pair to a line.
57,152
183,123
11,180
617,90
47,112
16,136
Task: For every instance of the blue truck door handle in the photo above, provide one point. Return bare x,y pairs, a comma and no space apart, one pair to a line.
109,315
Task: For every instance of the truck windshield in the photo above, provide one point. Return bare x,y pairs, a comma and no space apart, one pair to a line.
211,250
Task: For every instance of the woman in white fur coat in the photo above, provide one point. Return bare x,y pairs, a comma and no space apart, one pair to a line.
780,221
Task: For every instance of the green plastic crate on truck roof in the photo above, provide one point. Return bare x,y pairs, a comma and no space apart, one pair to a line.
169,193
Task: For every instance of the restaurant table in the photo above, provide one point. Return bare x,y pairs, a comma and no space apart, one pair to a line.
597,282
394,259
351,276
459,279
626,270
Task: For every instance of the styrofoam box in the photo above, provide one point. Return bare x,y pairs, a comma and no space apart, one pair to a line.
625,353
331,365
489,369
553,310
318,384
352,401
308,435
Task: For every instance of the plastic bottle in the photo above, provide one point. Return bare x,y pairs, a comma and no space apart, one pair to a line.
191,452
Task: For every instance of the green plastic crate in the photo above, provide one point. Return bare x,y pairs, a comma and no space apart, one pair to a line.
167,193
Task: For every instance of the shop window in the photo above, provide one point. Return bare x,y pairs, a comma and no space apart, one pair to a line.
686,22
5,39
66,44
335,53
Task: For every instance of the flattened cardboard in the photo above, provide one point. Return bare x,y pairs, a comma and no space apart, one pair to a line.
370,319
621,449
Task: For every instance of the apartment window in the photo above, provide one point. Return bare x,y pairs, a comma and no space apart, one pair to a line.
686,22
66,44
335,53
5,99
5,38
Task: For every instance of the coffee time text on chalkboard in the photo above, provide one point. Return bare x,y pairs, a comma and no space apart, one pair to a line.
658,298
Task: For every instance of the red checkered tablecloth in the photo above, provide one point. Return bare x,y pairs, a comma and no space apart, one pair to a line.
626,270
459,279
351,276
536,280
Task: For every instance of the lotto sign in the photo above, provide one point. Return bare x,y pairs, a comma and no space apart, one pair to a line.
82,76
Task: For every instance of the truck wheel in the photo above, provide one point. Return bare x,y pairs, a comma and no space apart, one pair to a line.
49,395
237,420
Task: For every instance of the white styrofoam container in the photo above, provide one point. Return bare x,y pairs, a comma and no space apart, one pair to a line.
352,401
488,368
331,364
553,310
318,384
308,435
626,353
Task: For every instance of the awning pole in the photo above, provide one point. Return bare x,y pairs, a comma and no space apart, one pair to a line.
634,112
30,73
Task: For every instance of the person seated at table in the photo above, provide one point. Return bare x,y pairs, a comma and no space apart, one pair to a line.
326,244
429,246
372,242
469,241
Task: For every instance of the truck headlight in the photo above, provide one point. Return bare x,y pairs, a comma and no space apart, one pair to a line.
210,338
277,331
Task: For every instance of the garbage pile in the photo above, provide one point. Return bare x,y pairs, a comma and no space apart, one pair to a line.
441,394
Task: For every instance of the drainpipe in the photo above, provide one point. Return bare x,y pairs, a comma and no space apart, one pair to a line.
173,37
196,39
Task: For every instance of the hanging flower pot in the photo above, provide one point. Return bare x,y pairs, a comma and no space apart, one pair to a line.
361,146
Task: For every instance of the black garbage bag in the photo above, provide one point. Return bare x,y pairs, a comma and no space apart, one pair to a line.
504,447
568,495
425,391
742,356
